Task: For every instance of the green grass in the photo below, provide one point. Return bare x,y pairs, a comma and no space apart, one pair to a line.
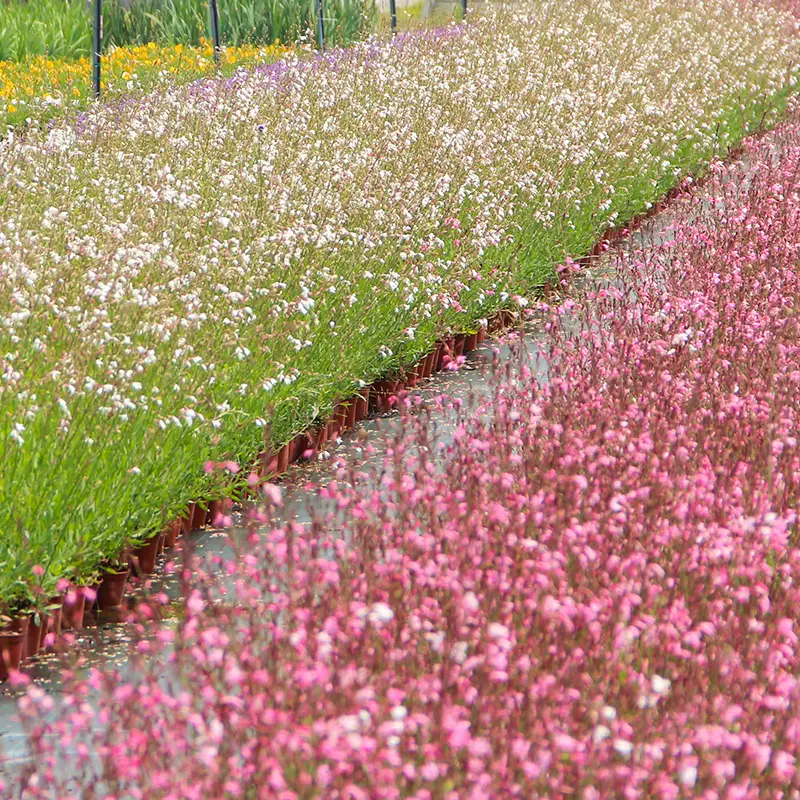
61,29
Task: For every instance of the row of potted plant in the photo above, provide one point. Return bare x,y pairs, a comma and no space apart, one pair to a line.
24,633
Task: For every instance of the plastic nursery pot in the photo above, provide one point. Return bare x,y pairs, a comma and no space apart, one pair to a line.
340,418
446,353
198,517
112,589
459,344
54,611
37,627
383,391
350,418
426,366
18,624
144,557
470,342
319,438
186,520
72,610
299,445
283,459
362,404
507,318
481,335
412,377
171,533
12,645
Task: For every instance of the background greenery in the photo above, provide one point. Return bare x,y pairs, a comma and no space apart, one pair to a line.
62,28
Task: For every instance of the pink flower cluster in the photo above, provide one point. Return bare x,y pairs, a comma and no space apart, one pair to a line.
591,593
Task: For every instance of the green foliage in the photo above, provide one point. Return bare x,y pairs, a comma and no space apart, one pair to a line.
62,28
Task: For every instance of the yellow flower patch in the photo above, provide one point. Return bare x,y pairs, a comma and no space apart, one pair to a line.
41,87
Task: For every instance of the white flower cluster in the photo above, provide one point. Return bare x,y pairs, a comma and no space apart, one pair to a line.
168,264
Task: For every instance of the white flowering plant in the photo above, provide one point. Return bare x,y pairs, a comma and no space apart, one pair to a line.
185,271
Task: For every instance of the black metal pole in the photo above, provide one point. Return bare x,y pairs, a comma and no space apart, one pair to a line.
214,9
320,26
463,9
97,45
393,12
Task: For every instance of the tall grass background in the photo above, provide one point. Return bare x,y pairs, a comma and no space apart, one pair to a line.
61,29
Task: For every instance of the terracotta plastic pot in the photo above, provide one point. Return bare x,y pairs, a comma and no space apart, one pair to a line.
300,444
36,633
507,318
54,611
12,644
72,611
144,557
283,459
412,377
362,404
198,517
470,342
186,520
426,366
269,464
112,589
459,344
482,334
172,532
385,391
340,418
350,414
18,625
446,353
320,438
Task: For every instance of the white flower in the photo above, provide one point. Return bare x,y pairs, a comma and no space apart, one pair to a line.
600,733
608,713
623,747
498,631
688,776
398,713
458,652
381,613
660,685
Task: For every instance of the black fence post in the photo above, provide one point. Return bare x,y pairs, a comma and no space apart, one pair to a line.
320,26
393,13
214,10
463,9
97,45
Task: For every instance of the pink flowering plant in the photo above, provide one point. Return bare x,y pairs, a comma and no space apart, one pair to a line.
590,592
